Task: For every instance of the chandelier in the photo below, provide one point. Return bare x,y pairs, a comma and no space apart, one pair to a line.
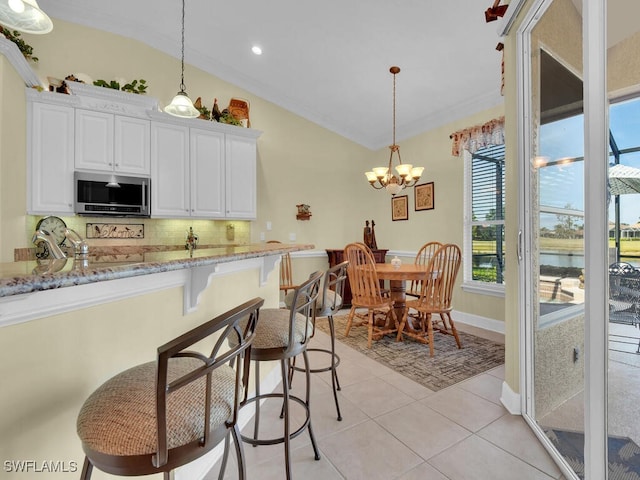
181,105
408,175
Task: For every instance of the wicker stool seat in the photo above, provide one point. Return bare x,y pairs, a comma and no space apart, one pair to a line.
282,334
119,418
160,415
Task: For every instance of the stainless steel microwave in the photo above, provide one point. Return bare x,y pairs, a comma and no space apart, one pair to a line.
98,194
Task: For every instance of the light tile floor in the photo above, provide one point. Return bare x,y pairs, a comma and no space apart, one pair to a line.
394,428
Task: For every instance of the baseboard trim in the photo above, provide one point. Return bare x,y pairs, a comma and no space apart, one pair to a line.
510,400
199,468
478,321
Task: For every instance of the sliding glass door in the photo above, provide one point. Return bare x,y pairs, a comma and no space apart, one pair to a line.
580,217
554,178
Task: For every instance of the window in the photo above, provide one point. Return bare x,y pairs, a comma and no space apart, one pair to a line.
484,219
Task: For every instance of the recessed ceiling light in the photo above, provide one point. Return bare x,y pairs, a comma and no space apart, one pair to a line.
256,50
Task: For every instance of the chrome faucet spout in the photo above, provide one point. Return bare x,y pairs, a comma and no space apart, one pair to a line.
80,246
47,238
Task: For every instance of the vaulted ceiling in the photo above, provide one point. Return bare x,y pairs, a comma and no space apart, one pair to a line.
326,61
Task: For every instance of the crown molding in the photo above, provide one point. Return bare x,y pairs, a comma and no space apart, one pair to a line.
12,53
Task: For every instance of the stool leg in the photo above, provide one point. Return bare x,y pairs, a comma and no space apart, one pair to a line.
308,402
242,467
87,468
334,373
284,366
257,416
292,363
225,457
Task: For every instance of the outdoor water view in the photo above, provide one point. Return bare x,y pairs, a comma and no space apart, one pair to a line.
561,195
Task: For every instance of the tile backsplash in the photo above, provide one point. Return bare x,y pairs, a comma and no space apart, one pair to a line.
158,231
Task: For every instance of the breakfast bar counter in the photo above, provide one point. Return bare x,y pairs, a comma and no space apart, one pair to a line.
32,289
36,275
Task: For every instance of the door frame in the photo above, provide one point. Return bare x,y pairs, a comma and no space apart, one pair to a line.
596,243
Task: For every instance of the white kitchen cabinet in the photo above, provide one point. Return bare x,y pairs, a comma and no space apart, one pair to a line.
240,154
170,178
50,158
207,155
187,172
112,143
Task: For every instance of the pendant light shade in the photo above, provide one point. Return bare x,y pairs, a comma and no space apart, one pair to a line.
181,105
24,16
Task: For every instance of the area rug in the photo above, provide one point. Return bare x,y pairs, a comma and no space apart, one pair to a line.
448,366
624,454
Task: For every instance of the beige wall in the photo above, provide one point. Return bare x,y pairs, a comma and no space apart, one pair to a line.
51,365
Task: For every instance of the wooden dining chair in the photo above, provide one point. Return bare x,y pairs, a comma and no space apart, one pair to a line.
366,293
422,258
158,416
435,298
286,272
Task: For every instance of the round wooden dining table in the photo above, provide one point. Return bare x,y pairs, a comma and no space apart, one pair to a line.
398,277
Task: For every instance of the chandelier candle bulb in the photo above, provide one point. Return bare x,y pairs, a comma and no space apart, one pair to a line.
416,172
404,169
371,176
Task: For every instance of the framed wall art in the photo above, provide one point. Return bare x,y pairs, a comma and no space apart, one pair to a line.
400,208
423,195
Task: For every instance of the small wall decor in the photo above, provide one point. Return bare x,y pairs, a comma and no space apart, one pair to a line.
370,235
423,195
304,212
400,208
114,230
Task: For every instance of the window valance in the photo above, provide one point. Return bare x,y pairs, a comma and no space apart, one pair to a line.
474,138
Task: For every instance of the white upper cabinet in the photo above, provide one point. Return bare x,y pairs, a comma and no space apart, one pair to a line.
197,168
170,180
240,177
50,131
207,174
215,178
112,143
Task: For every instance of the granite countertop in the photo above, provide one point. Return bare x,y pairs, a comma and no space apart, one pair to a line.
32,275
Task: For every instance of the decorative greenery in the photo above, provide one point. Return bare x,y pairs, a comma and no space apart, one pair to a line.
204,111
227,117
25,48
136,86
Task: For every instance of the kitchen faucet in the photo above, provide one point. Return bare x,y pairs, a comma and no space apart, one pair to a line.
47,238
80,246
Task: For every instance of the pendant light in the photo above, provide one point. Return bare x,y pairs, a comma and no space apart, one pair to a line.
181,105
24,16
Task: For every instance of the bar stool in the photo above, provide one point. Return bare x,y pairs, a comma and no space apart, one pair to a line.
282,334
161,415
332,294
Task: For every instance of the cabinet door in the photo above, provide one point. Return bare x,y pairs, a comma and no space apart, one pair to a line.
132,145
50,159
240,177
169,170
207,174
94,140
